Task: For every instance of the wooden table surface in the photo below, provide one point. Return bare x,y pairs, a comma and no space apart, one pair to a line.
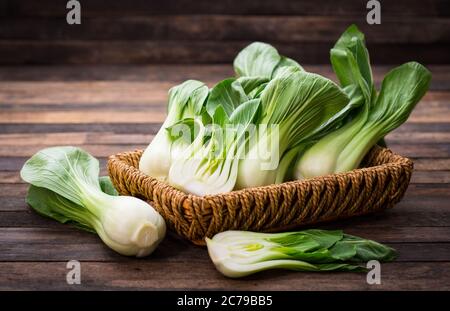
110,109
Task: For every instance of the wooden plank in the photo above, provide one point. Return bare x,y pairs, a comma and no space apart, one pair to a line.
49,139
106,8
434,177
146,274
424,151
420,190
89,92
96,150
402,137
406,213
16,52
217,27
174,74
423,127
119,128
433,165
140,73
82,116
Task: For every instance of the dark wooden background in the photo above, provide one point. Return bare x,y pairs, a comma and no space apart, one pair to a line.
207,31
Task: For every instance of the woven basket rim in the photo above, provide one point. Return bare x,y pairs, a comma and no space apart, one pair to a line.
396,161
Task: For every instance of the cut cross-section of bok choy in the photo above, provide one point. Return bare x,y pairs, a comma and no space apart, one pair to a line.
240,253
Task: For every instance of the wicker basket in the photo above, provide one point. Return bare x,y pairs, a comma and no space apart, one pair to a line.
380,185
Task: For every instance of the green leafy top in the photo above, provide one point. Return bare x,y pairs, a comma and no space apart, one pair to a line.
261,60
351,62
257,60
228,94
50,204
187,99
68,171
302,104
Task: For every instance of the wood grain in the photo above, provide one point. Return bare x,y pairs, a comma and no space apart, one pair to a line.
17,52
202,31
290,29
117,8
146,274
174,74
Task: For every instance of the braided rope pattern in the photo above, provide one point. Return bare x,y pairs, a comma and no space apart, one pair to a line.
379,185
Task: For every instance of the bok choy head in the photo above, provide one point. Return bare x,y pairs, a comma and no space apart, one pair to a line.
296,108
375,116
185,101
209,165
65,187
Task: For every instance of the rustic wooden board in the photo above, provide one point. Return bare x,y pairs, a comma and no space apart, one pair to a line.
290,29
109,109
173,74
93,8
147,274
18,52
173,31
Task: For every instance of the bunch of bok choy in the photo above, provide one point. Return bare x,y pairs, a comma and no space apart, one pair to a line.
65,186
273,103
274,121
240,253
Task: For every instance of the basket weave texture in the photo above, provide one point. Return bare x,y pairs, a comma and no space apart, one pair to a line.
379,185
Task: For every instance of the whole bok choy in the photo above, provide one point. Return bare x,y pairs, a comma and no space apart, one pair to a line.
402,88
185,101
65,186
296,107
